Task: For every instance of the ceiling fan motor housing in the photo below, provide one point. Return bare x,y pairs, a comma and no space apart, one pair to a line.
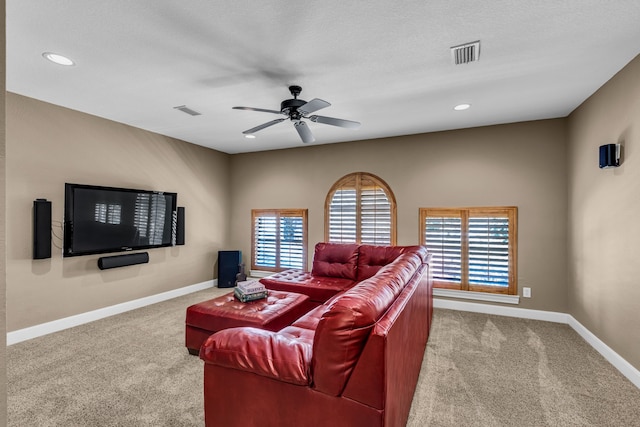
290,107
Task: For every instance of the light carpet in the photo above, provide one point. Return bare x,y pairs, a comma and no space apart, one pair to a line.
479,370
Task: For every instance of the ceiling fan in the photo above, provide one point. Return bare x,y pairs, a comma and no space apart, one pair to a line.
296,110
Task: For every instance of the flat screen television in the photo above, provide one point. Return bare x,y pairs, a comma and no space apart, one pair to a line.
107,219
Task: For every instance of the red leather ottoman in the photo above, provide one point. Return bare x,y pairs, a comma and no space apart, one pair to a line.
273,313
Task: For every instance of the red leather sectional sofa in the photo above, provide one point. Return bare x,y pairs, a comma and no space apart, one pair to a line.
354,360
336,268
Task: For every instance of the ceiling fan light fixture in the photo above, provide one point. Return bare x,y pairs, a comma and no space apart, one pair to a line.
58,59
462,107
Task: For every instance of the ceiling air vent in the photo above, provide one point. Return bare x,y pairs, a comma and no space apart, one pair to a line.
187,110
465,53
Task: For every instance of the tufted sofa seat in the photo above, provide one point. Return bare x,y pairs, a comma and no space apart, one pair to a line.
352,361
318,288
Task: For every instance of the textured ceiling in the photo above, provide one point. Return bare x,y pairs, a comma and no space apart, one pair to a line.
386,64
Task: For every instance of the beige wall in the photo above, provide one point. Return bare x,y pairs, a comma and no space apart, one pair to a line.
519,165
3,276
604,227
48,145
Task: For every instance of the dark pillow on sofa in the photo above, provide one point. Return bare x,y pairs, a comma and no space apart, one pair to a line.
335,260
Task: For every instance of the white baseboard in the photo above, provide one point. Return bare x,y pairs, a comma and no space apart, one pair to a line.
548,316
607,352
614,358
478,296
80,319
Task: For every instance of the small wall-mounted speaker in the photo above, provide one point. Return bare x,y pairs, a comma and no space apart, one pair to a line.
123,260
180,226
41,229
609,156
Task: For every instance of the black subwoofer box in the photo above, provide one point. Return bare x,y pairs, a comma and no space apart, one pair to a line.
228,267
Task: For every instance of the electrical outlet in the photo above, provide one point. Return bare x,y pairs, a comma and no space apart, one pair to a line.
526,292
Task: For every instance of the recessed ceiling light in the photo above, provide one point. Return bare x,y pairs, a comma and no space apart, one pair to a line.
461,107
57,58
250,136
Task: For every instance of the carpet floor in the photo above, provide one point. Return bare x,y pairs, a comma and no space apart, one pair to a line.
479,370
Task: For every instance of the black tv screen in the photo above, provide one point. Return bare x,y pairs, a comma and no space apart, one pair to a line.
106,219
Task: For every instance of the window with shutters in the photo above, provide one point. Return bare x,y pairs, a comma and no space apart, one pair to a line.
360,208
473,249
279,239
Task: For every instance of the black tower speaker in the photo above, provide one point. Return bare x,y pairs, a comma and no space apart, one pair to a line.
180,226
122,260
41,229
228,266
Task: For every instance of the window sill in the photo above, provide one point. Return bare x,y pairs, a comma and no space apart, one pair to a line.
478,296
259,274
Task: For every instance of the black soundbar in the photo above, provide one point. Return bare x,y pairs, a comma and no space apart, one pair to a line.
122,260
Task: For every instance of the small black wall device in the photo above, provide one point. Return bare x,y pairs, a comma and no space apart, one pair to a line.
228,266
41,229
122,260
180,226
609,156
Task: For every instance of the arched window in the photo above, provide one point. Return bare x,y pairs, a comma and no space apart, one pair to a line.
360,208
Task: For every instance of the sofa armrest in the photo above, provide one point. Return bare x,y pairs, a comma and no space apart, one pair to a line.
264,353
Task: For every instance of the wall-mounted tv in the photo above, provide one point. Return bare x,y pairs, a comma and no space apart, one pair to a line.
106,219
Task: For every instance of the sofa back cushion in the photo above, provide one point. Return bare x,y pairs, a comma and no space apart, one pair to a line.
344,326
335,260
372,258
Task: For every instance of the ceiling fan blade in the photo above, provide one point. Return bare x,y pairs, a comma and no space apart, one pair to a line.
304,131
349,124
314,105
258,109
262,126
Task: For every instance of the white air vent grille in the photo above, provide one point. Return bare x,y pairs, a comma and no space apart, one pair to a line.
187,110
465,53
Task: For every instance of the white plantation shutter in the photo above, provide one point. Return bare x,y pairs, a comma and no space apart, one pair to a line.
360,208
473,249
489,251
279,239
443,237
375,216
342,216
266,245
292,252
